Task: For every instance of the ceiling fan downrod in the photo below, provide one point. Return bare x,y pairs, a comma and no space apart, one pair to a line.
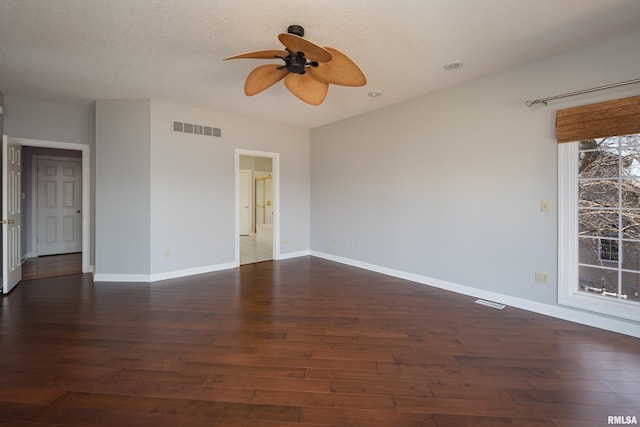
296,30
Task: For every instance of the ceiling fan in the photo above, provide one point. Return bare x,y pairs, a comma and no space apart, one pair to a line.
307,71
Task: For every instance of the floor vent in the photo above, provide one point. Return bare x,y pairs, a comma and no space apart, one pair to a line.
490,304
191,128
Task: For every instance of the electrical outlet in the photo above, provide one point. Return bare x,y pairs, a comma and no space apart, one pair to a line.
542,278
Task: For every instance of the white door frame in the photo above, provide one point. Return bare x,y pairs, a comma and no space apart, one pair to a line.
275,164
86,189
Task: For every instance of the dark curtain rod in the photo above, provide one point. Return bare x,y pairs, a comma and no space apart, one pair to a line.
580,92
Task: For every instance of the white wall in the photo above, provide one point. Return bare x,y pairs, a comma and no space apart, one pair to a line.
166,200
446,188
156,190
193,187
55,121
51,121
122,189
256,163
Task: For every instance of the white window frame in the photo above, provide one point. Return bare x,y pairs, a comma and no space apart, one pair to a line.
568,253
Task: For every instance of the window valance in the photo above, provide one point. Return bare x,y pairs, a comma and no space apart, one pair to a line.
609,118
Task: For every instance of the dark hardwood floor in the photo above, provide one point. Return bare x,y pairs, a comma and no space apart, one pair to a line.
51,266
299,342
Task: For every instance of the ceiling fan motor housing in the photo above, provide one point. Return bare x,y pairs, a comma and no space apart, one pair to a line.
296,30
296,62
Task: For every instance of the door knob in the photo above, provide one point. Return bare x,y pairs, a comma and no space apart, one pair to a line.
77,210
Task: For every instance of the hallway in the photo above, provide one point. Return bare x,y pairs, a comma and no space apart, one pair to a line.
253,251
52,266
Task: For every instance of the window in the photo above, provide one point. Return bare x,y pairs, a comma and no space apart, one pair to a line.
599,207
600,225
608,250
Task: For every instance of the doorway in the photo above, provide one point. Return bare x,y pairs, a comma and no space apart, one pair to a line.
256,206
52,212
72,226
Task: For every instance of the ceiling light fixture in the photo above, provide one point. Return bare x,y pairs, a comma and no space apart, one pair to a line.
375,94
453,65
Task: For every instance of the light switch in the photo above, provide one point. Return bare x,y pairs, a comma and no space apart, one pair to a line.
544,206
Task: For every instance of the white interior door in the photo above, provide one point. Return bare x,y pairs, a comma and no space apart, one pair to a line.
245,202
59,206
268,197
258,202
11,181
263,197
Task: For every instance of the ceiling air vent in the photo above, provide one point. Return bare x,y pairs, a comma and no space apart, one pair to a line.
194,129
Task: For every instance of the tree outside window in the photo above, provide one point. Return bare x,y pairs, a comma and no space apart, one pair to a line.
609,216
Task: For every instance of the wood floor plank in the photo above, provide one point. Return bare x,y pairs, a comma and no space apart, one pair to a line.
258,371
304,342
290,385
375,386
324,400
227,410
366,418
107,401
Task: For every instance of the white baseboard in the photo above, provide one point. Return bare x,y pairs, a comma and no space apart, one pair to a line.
156,277
191,271
559,312
101,277
290,255
176,274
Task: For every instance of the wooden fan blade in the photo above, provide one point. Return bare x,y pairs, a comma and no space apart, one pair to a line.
261,54
263,77
341,70
311,50
306,88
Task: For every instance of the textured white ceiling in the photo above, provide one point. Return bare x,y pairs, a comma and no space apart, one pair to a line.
82,50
